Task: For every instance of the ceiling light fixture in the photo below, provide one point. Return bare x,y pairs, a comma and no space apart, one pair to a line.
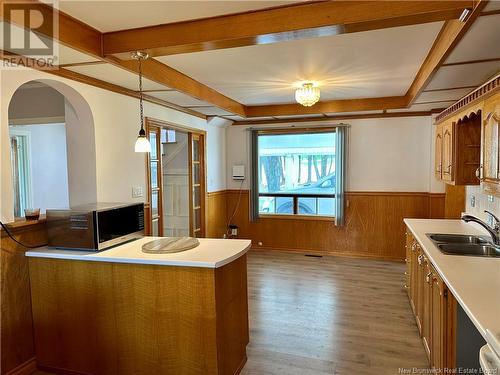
142,143
464,15
308,94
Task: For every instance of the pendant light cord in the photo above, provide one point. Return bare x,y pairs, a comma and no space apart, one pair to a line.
140,93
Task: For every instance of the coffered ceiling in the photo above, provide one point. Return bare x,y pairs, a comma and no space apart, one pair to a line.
373,59
360,65
112,15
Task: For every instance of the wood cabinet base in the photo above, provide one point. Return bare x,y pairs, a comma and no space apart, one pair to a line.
434,307
109,318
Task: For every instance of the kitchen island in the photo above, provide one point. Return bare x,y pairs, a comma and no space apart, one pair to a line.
122,311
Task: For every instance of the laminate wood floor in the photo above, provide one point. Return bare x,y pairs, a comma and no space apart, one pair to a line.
330,315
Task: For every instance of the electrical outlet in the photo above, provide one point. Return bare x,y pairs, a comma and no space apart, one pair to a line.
491,198
473,201
137,191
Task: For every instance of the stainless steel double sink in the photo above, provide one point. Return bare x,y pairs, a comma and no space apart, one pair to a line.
459,244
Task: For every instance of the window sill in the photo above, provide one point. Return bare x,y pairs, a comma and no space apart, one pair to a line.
297,217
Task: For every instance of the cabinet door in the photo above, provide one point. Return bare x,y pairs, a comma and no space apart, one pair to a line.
438,158
419,300
413,275
438,322
409,242
447,152
426,310
491,170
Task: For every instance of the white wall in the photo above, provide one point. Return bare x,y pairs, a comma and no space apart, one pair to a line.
116,120
388,154
49,172
216,158
34,104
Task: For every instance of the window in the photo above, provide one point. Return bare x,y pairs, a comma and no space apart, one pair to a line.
296,173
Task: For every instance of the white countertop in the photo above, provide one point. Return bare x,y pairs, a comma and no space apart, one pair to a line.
211,253
474,281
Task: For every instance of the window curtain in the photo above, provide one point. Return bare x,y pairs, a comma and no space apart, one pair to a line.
254,194
340,173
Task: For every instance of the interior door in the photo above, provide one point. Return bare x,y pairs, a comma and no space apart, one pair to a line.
197,183
447,152
155,182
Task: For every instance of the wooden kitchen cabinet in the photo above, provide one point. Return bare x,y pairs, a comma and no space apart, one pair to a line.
447,152
490,173
438,296
433,306
438,160
458,144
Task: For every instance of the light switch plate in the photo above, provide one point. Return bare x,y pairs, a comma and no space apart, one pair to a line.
137,191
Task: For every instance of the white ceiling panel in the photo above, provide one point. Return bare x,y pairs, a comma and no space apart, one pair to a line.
70,56
359,65
211,111
423,107
114,15
449,95
117,76
492,5
178,98
463,75
482,41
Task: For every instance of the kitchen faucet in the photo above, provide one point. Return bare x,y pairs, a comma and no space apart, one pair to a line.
493,231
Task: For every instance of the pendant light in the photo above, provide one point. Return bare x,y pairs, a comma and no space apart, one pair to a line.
142,143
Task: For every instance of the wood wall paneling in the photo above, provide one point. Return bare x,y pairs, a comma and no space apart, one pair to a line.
216,214
454,201
18,349
374,225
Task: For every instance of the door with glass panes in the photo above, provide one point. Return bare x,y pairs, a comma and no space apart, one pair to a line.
197,178
162,205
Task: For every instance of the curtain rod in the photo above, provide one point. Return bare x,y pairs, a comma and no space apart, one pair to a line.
293,126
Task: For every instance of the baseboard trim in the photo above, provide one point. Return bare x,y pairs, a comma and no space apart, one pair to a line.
26,368
328,254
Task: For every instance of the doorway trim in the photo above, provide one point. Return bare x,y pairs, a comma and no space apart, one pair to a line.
151,124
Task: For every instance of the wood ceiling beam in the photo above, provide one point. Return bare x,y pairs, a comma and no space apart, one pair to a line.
306,20
450,35
80,36
69,74
72,32
333,106
165,75
337,118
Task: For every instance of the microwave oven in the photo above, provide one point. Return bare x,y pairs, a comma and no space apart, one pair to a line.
94,227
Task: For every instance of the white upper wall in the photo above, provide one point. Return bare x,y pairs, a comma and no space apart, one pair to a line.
116,124
387,154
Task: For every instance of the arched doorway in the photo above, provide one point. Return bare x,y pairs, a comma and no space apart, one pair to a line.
52,147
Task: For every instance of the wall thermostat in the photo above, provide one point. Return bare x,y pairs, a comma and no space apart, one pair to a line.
238,172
